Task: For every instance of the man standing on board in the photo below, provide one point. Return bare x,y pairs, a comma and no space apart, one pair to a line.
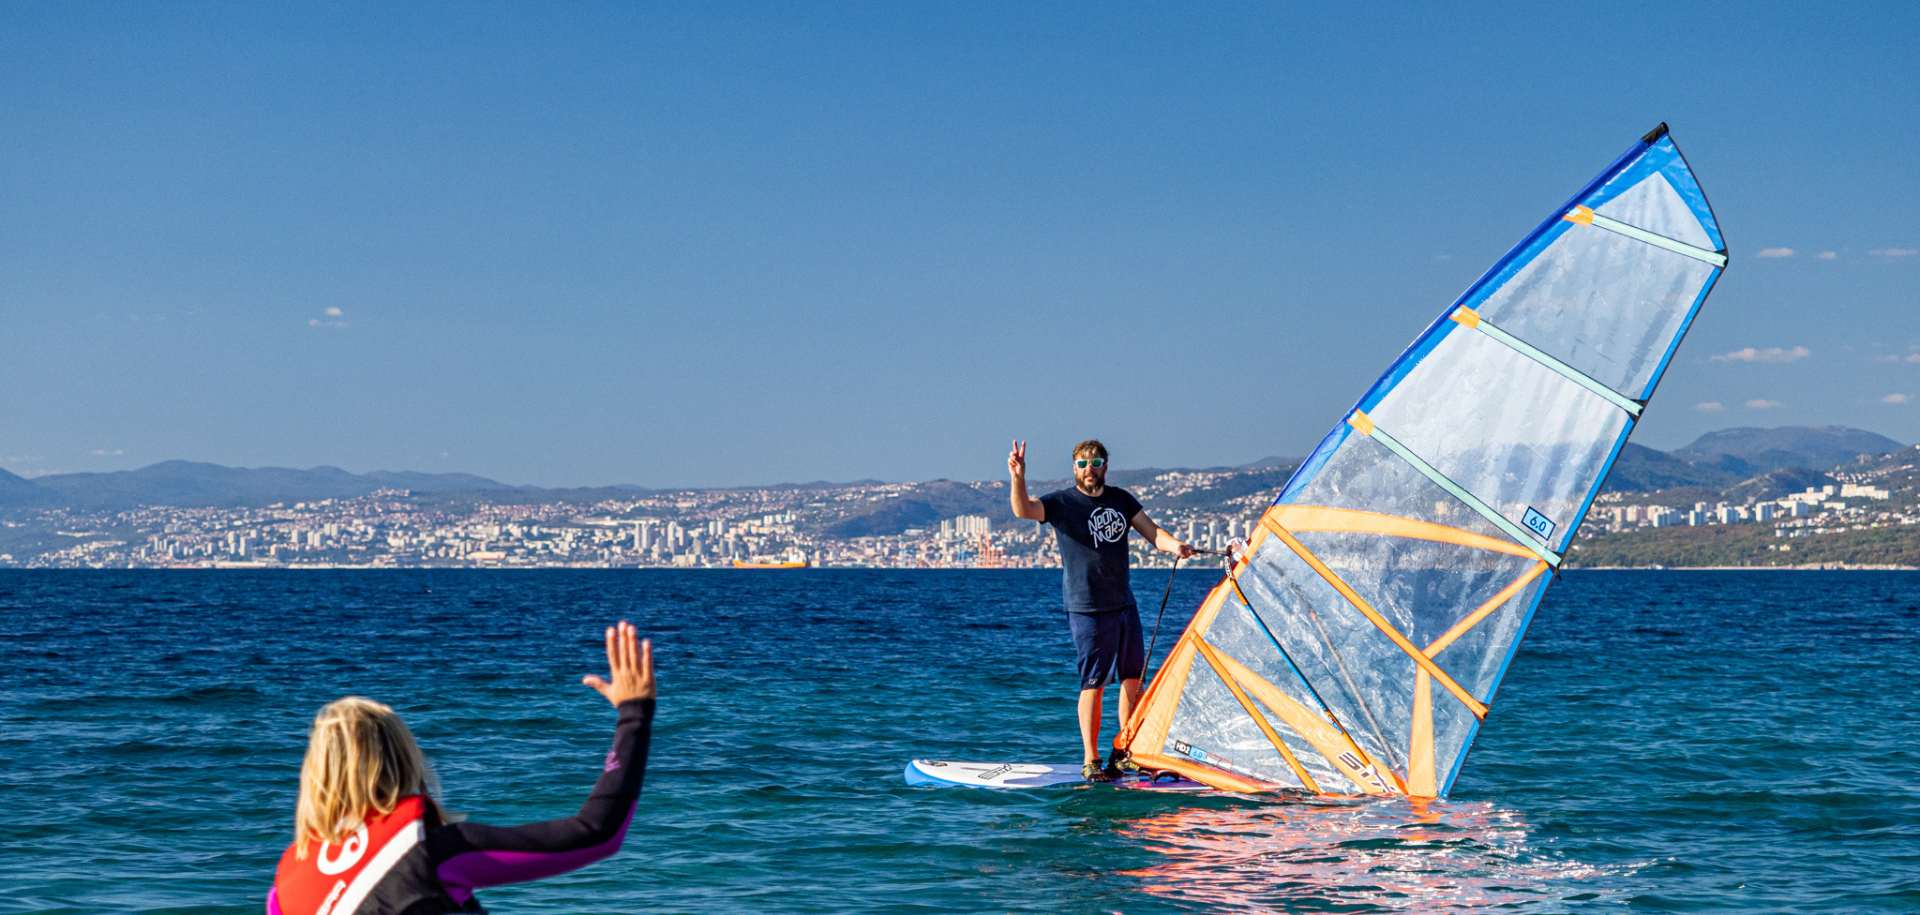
1090,521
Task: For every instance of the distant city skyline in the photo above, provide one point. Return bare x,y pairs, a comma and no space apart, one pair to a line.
670,247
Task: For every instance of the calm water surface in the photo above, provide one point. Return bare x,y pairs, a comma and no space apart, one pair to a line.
1665,741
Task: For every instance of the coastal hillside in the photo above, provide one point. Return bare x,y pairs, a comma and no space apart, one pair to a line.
1747,451
1790,496
1863,511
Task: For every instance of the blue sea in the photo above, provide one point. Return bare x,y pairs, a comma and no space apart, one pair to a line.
1667,741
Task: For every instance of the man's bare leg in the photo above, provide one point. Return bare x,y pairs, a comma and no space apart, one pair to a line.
1090,724
1129,696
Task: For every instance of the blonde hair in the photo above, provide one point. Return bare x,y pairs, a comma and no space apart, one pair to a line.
361,760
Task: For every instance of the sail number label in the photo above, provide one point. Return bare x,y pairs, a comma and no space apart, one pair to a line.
1538,523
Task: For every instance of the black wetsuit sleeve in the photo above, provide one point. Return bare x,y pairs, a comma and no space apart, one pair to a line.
472,855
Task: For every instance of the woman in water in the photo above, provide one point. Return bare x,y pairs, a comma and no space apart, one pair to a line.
369,838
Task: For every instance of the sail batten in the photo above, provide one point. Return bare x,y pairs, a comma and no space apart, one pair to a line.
1584,216
1456,490
1471,318
1359,641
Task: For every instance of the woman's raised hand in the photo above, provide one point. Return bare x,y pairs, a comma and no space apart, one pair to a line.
630,659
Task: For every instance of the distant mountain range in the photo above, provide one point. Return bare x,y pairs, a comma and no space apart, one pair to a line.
1789,456
1760,460
192,484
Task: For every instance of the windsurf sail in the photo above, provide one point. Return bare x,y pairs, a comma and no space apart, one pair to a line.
1355,645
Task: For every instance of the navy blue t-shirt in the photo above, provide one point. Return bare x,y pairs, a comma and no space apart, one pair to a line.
1092,532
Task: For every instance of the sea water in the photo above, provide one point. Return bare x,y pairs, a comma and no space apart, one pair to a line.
1665,740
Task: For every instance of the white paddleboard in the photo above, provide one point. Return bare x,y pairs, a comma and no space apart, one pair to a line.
944,773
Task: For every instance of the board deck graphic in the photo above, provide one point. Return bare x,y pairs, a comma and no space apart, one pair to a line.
1025,776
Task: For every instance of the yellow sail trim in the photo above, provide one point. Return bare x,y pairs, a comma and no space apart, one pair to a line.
1493,603
1344,756
1420,770
1273,737
1420,781
1153,715
1303,518
1360,756
1158,703
1373,616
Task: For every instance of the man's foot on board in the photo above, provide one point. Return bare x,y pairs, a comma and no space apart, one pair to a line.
1092,772
1120,762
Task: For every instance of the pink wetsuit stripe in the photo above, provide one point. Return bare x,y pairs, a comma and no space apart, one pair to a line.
464,873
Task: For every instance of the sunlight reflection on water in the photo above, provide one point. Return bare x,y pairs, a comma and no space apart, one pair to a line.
1355,853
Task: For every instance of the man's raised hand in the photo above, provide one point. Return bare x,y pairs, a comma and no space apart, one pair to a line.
1017,459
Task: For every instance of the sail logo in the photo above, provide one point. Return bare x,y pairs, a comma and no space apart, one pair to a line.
1359,770
1107,525
1192,752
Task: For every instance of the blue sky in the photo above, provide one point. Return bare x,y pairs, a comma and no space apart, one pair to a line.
659,244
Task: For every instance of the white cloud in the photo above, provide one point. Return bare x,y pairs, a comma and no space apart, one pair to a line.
1828,255
1760,403
107,452
1895,399
1895,252
1765,354
1775,252
1710,406
333,311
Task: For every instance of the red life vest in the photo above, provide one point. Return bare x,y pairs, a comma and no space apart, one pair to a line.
335,878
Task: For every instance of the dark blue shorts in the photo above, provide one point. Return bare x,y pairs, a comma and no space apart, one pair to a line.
1109,646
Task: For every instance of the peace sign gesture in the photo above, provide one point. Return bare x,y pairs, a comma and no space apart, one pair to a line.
1017,460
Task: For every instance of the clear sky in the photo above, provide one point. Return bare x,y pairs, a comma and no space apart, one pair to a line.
660,244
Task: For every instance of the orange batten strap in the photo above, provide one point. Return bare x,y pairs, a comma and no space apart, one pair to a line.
1303,518
1420,780
1360,755
1373,616
1579,215
1205,775
1493,603
1333,744
1213,660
